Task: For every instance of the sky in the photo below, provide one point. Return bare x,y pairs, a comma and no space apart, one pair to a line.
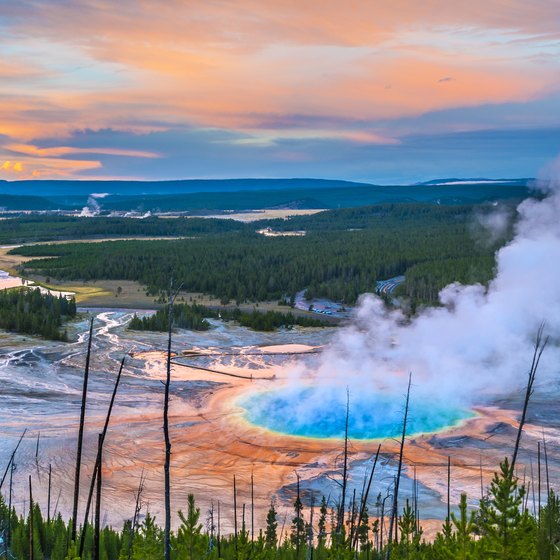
382,91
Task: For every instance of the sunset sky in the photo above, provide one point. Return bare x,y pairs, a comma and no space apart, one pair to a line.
375,90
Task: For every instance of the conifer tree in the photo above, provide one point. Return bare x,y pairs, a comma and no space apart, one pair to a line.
190,543
271,537
148,542
507,532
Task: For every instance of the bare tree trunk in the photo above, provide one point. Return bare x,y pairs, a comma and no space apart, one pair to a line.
352,517
282,531
364,500
540,345
9,536
394,514
298,513
547,492
310,538
235,515
539,477
137,508
96,531
81,437
37,455
342,506
49,495
481,479
219,532
166,467
533,490
10,462
30,520
252,510
448,489
97,465
546,467
382,525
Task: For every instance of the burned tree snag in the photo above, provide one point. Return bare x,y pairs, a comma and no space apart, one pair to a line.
395,510
81,436
96,530
540,345
97,465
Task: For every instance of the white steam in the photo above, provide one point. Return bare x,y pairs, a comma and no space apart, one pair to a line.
479,344
92,208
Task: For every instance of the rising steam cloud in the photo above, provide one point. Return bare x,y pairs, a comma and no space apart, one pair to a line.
478,345
92,208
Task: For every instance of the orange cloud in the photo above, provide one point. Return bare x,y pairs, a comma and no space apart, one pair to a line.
68,150
31,168
149,66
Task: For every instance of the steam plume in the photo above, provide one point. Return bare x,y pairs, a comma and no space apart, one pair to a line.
92,208
479,344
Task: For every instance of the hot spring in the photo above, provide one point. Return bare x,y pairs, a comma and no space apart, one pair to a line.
321,412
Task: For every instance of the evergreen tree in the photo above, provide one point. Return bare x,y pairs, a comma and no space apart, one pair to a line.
189,542
271,527
507,532
148,542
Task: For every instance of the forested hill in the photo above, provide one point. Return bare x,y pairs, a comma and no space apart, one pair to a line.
50,188
39,227
339,258
242,194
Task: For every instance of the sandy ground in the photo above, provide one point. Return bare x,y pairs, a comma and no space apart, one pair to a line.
8,282
264,214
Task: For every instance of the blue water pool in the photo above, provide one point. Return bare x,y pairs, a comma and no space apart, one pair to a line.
320,413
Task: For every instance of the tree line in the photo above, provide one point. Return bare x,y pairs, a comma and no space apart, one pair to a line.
28,311
193,317
339,263
502,526
26,228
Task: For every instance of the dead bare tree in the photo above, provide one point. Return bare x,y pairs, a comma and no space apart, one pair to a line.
252,510
344,483
448,489
37,455
533,489
8,539
96,530
49,495
10,462
97,466
310,537
137,508
81,436
540,345
235,515
395,510
365,495
219,536
539,477
167,438
30,520
547,492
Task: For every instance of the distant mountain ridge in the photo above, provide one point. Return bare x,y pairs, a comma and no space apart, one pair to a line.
207,196
183,186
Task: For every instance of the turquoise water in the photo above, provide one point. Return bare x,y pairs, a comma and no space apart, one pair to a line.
320,413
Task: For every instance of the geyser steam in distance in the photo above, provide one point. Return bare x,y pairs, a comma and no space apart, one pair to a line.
372,415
